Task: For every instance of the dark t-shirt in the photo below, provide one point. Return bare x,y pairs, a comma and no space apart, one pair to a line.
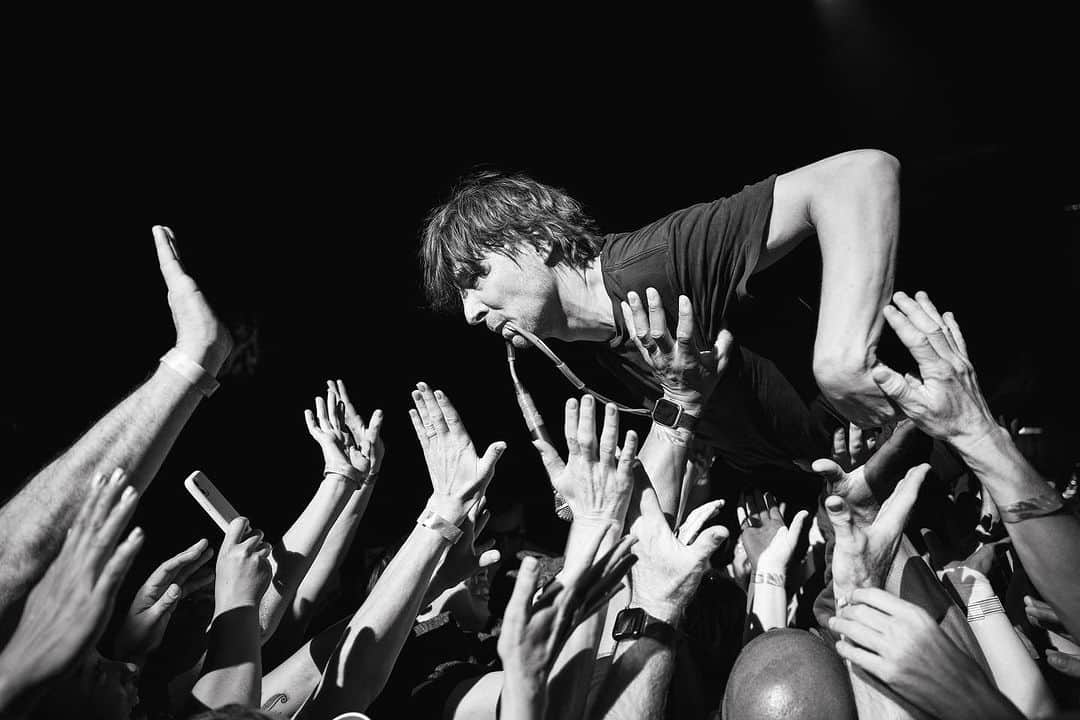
755,418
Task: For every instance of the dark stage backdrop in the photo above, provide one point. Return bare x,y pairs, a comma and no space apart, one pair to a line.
297,192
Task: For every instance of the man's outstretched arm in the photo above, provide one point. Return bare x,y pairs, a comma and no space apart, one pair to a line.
852,202
135,435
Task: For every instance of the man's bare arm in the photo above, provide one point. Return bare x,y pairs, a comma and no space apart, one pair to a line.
852,202
135,435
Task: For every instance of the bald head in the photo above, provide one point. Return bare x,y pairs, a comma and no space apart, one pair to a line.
788,673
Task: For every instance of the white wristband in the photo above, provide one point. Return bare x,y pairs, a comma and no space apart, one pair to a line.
191,371
433,521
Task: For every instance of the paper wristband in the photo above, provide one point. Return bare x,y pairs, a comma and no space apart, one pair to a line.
191,371
346,471
439,524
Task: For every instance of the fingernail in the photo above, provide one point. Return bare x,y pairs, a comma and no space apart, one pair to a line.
128,494
439,395
136,533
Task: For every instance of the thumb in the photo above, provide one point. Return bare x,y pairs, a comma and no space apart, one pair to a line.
891,383
895,510
710,539
491,456
721,348
167,602
840,516
936,548
830,471
549,456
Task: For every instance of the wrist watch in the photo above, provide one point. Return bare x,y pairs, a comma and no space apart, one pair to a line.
634,623
670,414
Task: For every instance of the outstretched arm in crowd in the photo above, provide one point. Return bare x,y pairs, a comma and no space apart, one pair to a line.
68,609
366,445
135,435
293,556
948,404
769,578
851,201
597,486
367,651
663,581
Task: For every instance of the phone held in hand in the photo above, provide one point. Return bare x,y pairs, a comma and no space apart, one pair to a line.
210,498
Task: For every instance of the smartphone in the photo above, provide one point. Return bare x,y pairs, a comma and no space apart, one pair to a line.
213,502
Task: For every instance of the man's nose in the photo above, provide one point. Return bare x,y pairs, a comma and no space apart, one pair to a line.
474,309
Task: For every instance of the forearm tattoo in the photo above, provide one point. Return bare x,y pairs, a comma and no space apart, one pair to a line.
281,698
1031,508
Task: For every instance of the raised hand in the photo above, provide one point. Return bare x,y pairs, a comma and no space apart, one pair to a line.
670,566
459,477
243,567
776,556
366,445
760,520
899,643
865,487
199,333
158,597
686,375
327,428
852,446
596,483
533,632
864,552
66,612
947,402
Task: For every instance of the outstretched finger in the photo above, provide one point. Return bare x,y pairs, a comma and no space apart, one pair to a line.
957,336
642,330
344,395
628,455
840,517
118,564
449,413
332,409
434,410
312,428
794,531
421,407
570,426
696,520
684,330
168,259
517,608
658,321
586,429
914,339
609,435
181,565
321,414
896,508
421,431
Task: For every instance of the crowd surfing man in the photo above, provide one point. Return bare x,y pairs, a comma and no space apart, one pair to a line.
524,259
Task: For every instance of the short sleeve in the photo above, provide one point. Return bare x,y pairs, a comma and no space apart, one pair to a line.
715,247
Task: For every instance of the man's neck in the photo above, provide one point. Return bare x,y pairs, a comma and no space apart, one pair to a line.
585,304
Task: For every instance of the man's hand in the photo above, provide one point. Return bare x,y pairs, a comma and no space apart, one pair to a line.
66,612
199,334
243,567
899,643
670,566
459,477
864,553
158,597
852,447
947,403
759,521
366,443
865,487
686,375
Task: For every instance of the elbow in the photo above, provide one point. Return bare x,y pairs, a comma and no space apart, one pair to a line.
838,374
872,170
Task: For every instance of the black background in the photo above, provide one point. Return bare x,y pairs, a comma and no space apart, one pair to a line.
296,167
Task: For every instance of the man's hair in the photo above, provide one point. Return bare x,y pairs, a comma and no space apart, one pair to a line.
495,211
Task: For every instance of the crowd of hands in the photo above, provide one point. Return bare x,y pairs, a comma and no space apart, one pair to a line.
67,548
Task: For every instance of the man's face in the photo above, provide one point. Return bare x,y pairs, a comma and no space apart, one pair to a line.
519,290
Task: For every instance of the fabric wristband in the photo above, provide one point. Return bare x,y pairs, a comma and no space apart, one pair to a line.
1031,507
439,524
770,578
346,471
191,371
